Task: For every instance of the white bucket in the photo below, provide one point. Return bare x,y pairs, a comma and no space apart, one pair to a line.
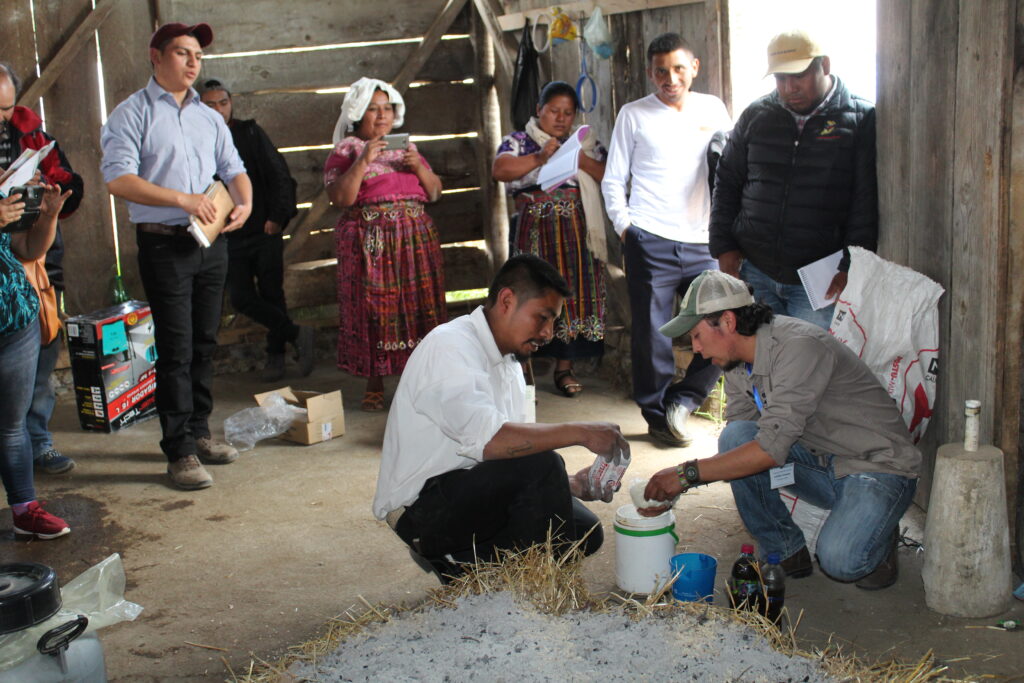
643,549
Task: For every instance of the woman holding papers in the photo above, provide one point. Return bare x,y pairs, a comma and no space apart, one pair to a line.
559,218
19,349
390,269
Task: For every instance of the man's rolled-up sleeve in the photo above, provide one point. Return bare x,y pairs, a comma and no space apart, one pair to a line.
800,375
463,410
121,140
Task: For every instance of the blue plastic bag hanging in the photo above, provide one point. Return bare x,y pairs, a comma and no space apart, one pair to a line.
597,35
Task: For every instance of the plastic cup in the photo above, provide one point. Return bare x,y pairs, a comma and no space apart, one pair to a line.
696,580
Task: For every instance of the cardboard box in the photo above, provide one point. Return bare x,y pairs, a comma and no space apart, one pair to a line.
324,419
113,357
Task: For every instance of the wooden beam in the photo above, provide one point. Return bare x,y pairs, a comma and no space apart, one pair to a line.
430,40
67,53
311,220
515,20
501,52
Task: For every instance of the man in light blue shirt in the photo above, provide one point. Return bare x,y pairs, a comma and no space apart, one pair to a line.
161,150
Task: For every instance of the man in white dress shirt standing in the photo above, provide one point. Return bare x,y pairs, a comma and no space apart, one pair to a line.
659,148
461,471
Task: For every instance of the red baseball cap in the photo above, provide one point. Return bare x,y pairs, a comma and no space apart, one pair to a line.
202,32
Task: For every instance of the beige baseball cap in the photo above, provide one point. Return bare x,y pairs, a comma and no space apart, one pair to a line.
710,292
792,52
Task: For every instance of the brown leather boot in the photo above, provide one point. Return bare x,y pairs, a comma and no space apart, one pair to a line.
798,565
887,571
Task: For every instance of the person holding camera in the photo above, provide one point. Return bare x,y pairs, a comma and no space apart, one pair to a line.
19,353
390,269
21,129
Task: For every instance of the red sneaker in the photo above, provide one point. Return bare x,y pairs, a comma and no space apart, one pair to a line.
37,522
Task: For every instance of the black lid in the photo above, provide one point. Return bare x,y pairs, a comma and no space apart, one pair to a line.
29,594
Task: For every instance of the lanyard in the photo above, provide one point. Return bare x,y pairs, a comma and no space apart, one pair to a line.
757,394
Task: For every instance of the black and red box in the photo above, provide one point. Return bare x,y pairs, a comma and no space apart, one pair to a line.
113,354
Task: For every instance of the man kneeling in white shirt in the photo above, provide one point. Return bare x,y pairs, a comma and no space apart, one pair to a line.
462,473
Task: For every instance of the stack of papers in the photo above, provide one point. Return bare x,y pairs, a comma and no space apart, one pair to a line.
24,167
816,278
564,164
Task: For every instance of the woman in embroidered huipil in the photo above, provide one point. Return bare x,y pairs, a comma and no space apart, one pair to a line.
564,226
390,269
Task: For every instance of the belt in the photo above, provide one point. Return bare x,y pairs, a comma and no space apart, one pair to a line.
162,229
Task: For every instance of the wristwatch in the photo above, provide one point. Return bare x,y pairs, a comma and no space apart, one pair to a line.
689,475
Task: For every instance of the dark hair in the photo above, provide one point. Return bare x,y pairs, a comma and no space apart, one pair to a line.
748,318
555,89
667,42
528,276
214,84
15,81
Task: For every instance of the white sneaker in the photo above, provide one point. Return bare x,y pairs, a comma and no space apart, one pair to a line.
676,417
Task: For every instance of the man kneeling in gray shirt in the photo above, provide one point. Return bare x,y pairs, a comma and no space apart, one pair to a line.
806,413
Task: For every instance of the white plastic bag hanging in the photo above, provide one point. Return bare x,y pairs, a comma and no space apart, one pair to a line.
888,316
597,35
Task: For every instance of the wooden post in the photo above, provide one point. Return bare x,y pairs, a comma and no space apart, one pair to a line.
494,213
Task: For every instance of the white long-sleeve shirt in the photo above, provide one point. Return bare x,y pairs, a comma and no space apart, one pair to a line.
456,392
663,154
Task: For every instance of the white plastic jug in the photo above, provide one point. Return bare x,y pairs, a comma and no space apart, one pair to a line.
644,547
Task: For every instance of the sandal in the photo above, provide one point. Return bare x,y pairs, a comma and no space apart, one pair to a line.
569,389
373,401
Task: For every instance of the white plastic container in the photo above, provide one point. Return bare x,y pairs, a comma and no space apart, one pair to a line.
84,658
644,547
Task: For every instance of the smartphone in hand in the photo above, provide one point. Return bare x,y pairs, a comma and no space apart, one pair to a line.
397,141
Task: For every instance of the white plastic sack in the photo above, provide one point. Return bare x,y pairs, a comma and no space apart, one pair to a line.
810,518
888,315
597,35
98,593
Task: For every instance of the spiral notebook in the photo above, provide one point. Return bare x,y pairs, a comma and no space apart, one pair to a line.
817,276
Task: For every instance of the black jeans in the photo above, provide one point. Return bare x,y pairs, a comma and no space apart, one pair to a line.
256,285
184,284
500,505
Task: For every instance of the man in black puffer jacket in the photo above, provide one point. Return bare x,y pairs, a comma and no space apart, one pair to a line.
797,181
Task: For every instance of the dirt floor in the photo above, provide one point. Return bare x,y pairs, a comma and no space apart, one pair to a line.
285,540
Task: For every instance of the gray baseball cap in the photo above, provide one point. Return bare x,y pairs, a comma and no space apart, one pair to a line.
710,292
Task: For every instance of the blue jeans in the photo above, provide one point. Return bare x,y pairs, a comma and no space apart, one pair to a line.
788,300
866,508
38,419
18,355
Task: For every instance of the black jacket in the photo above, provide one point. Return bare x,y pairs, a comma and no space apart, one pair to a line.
273,189
785,200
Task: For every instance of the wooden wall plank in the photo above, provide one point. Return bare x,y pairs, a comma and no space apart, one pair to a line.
19,45
930,183
271,24
124,48
982,91
337,67
73,118
301,119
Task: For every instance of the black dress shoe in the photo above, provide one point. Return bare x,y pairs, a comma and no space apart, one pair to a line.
887,571
798,565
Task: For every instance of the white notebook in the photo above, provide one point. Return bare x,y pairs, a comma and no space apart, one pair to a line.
817,276
564,163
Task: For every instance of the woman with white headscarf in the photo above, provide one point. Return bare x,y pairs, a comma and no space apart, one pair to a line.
390,269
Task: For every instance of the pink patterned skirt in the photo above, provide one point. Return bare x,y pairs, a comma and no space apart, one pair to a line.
390,285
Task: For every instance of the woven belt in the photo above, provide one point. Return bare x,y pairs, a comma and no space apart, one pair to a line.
162,229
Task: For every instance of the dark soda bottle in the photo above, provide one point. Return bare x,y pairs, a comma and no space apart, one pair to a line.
774,595
743,583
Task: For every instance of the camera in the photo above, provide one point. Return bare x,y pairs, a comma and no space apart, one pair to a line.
32,198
